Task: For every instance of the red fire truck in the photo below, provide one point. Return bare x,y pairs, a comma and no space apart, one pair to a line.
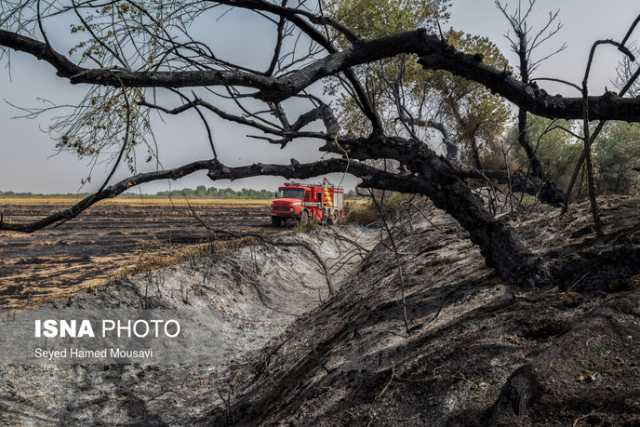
304,203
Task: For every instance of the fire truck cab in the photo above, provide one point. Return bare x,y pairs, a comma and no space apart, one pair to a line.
304,203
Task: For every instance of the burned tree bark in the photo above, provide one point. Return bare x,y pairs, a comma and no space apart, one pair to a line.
433,54
442,182
524,47
523,123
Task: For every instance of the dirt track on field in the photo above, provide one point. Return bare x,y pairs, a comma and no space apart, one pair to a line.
108,241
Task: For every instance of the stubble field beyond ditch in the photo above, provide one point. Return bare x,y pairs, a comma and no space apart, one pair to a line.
111,239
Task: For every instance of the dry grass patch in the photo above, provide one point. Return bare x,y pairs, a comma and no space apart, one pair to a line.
148,261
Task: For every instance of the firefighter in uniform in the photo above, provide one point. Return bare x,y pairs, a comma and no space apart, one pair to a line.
327,202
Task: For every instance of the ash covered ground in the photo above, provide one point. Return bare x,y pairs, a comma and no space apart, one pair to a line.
477,352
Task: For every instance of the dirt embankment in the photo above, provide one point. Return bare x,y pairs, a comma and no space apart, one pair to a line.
478,353
235,302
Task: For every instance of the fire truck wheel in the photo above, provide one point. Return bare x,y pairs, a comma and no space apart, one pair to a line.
304,218
276,221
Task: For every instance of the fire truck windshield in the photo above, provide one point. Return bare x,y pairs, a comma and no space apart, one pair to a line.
291,193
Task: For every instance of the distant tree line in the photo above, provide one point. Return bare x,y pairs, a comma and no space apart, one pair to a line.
219,193
200,191
228,193
30,194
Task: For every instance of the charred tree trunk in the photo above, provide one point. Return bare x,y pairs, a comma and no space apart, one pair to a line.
452,151
498,243
523,123
439,180
475,153
535,166
548,190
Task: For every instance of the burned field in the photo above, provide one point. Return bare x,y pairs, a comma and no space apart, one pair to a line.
111,240
283,352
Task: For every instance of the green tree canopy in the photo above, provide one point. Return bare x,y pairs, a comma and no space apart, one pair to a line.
616,155
408,97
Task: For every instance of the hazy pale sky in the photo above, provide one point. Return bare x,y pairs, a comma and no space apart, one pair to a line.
25,151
